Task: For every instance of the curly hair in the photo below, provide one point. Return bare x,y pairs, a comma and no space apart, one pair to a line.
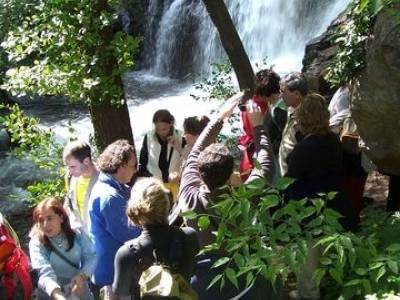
56,206
195,125
266,83
313,115
215,165
116,155
150,202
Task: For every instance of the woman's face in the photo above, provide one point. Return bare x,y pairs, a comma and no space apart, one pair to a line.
50,222
163,129
190,138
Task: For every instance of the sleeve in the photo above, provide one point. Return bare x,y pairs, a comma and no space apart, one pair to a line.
191,180
126,275
117,221
40,259
88,254
263,154
143,159
190,249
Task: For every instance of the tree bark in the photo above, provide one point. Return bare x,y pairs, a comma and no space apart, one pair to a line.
232,43
110,122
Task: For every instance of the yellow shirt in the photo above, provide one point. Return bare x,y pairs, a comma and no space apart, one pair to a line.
82,184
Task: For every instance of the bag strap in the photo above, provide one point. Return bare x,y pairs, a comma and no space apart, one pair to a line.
63,257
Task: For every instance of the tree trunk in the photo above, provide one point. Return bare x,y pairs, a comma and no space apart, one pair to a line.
110,122
232,44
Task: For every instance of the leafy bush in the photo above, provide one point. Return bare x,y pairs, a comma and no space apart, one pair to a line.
263,236
32,141
352,37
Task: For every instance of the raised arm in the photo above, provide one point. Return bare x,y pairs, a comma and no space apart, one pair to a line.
263,147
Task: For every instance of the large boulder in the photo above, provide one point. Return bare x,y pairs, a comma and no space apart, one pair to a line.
376,96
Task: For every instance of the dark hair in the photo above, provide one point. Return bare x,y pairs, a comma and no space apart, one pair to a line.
296,82
266,83
195,125
163,115
77,149
116,155
215,165
55,205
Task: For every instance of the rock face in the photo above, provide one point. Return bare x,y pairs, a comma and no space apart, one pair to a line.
376,93
376,98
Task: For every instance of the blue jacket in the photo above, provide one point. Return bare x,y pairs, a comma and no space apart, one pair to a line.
108,227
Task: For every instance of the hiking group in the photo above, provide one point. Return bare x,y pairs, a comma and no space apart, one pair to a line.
120,232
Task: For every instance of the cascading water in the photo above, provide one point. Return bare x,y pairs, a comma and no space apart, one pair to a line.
185,42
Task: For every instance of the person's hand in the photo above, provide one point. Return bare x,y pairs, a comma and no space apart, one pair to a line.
229,106
254,113
235,180
78,284
174,177
56,294
174,142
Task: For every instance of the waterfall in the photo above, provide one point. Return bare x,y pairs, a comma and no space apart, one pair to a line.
182,41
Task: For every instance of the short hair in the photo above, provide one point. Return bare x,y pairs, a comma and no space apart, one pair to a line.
296,82
313,115
164,116
195,125
150,202
56,206
266,83
116,155
77,149
215,165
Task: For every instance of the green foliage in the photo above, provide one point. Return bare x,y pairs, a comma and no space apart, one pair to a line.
38,144
351,38
263,236
71,48
366,262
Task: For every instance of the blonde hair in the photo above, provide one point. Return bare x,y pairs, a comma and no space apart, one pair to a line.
313,115
149,203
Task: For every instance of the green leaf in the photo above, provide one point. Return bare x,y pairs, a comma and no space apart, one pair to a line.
215,280
318,275
381,272
220,262
353,282
231,274
336,275
203,222
393,247
393,266
190,215
283,183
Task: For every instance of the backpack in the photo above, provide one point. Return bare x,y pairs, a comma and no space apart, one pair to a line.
14,264
161,280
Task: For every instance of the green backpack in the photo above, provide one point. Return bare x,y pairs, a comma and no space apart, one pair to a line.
161,280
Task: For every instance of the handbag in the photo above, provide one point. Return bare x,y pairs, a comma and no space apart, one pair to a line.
349,137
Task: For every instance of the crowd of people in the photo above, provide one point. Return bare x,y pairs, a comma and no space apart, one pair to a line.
121,215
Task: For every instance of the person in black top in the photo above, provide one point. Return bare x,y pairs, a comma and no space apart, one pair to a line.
148,208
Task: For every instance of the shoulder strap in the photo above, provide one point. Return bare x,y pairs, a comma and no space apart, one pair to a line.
63,257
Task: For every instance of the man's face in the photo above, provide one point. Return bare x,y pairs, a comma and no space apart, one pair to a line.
291,98
74,166
126,172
